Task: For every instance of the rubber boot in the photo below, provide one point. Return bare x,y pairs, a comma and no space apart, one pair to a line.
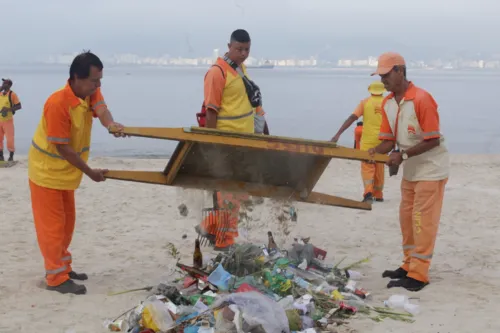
397,274
11,156
69,287
78,276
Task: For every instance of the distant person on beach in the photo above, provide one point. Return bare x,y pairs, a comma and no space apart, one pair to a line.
370,109
410,121
9,104
233,102
358,132
57,161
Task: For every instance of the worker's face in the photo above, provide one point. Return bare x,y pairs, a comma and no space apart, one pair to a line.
238,52
88,86
5,86
393,79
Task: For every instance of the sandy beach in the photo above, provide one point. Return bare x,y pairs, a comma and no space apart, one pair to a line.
123,229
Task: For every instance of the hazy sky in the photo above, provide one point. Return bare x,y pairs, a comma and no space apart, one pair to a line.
37,28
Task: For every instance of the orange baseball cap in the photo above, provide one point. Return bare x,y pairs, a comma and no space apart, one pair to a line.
387,61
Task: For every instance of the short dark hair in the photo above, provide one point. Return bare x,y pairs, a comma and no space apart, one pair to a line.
359,123
82,63
240,36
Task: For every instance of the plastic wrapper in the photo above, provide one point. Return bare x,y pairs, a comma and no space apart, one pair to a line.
220,278
294,320
257,309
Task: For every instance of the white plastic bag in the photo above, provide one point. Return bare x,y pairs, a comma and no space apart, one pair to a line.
156,316
258,309
259,124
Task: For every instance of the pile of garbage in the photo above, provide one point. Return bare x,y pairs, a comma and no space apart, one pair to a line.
259,289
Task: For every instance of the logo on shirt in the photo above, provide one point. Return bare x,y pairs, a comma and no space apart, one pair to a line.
411,130
378,109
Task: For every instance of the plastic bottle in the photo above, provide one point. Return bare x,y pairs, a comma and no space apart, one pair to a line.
402,302
396,301
302,283
353,275
360,305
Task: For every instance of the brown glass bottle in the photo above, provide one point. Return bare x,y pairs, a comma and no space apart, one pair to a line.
271,245
197,256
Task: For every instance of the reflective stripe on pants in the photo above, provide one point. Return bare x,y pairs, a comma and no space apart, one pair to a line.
373,178
54,215
419,215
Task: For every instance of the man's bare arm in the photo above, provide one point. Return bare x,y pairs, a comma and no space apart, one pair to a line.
347,123
73,158
423,147
105,116
16,107
69,154
106,119
211,119
384,147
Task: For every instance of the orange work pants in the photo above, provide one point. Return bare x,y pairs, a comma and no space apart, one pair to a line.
217,225
373,179
54,215
7,130
419,215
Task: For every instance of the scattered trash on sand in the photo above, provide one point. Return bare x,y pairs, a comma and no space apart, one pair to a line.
259,289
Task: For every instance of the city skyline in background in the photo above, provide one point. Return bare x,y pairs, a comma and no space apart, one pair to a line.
491,62
327,30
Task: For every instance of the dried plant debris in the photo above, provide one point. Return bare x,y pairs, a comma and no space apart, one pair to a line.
173,251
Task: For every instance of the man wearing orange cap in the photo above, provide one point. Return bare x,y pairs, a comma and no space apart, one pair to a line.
370,109
410,129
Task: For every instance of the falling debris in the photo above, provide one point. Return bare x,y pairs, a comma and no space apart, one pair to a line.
183,210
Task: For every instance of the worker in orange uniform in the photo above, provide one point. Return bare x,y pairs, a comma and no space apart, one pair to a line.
233,102
358,131
410,123
370,109
57,161
9,104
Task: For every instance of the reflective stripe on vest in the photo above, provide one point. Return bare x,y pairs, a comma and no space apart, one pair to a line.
84,149
235,113
237,117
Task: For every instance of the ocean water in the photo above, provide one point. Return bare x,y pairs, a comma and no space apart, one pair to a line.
305,103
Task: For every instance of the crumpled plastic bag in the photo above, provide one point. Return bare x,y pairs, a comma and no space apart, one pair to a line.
257,309
156,316
301,252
